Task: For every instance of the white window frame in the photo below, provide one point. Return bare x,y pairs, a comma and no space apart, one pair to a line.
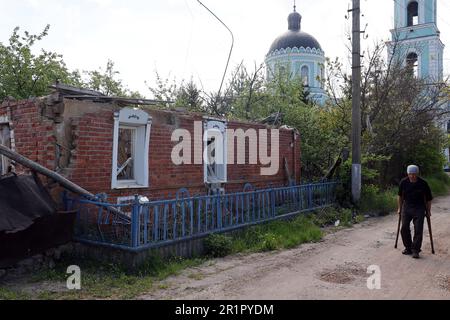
305,80
416,68
141,122
322,75
214,125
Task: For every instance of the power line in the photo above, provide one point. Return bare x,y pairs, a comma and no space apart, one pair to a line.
191,32
232,45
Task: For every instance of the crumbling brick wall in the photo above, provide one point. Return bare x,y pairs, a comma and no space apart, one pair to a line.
33,133
75,138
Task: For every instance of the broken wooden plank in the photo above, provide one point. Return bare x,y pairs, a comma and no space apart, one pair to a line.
67,184
64,182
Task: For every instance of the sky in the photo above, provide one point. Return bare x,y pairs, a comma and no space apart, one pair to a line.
181,40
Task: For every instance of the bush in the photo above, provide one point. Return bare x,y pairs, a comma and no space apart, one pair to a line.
270,242
326,217
439,184
218,245
377,202
346,217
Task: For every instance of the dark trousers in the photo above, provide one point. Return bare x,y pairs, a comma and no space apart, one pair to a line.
417,216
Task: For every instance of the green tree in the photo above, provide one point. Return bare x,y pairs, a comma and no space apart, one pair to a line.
399,118
105,81
24,74
190,96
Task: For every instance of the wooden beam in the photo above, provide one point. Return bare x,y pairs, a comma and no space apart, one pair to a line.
67,184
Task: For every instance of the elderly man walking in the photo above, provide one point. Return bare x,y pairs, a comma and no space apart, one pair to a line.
414,204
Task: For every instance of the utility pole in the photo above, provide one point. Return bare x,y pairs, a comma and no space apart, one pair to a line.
356,102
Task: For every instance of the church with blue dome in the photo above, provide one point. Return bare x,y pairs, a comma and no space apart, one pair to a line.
301,55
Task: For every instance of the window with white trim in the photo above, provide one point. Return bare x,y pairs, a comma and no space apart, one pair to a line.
412,63
215,152
305,75
131,149
322,76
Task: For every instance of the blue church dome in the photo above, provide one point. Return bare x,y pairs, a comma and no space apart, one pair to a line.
294,37
298,54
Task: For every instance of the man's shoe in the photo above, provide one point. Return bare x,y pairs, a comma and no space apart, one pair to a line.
407,252
415,255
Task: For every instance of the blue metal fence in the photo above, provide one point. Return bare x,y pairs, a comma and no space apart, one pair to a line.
140,225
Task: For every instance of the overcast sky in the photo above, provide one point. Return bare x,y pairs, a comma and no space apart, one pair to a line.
180,39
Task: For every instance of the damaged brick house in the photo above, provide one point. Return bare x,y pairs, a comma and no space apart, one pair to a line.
123,147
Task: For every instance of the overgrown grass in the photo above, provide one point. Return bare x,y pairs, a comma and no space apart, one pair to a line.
282,234
439,184
105,281
378,202
276,235
9,294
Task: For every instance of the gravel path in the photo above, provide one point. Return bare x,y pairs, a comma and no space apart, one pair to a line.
335,268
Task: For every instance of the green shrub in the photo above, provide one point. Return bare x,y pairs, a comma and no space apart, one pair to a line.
282,234
359,218
346,217
326,217
439,183
378,202
270,242
218,245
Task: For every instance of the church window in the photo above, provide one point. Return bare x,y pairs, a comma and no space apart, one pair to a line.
412,64
322,76
413,13
281,70
305,75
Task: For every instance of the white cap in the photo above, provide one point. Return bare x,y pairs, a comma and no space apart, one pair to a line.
413,169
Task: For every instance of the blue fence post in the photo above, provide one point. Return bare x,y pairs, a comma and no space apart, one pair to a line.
310,196
135,222
219,211
156,222
272,202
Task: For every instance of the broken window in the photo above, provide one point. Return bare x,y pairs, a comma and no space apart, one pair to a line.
412,63
212,172
131,149
5,140
126,155
215,165
413,13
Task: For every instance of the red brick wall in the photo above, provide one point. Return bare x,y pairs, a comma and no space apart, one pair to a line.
252,173
34,135
91,161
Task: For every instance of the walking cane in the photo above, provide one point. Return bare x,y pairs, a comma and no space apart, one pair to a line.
398,229
431,234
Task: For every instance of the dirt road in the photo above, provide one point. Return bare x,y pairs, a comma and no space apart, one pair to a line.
335,268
